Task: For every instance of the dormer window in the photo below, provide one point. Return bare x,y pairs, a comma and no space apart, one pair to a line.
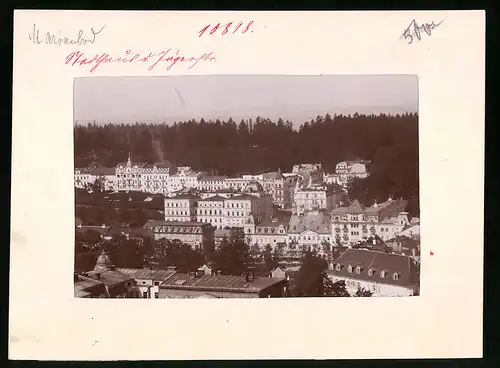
338,267
370,272
395,276
358,270
349,269
382,274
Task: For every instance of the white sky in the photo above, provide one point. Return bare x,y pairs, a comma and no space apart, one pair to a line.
296,98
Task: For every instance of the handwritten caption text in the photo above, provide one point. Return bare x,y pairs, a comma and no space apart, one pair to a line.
166,57
49,38
414,30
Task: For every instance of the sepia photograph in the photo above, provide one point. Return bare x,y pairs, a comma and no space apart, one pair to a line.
246,186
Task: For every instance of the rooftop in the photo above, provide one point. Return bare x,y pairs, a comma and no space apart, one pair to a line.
144,273
216,197
151,223
103,171
212,178
219,282
404,266
317,222
183,196
109,278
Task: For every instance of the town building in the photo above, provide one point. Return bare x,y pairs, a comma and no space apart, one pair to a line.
116,284
83,177
268,231
355,223
306,168
211,210
155,178
253,201
196,234
226,193
184,178
348,170
311,230
128,175
107,175
86,287
181,207
211,183
238,184
280,187
314,196
198,284
383,274
147,282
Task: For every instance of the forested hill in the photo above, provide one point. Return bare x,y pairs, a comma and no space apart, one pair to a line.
249,146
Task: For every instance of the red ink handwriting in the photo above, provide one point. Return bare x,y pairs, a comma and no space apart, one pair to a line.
232,27
431,253
167,57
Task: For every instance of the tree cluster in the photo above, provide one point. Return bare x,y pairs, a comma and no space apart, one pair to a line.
390,142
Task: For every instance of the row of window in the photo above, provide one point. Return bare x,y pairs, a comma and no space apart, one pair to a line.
371,272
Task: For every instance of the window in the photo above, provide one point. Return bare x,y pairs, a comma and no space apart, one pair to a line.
338,267
145,295
382,274
349,269
358,270
157,295
395,276
370,272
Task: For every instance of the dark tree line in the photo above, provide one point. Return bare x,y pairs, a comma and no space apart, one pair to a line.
390,142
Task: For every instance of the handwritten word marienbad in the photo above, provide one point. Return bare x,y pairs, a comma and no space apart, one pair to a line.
167,57
231,27
81,38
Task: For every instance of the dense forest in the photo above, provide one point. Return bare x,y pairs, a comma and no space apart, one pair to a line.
390,142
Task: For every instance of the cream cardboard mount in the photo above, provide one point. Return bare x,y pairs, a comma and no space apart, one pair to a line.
445,49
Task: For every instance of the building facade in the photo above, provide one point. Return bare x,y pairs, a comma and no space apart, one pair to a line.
312,197
196,234
181,208
211,210
272,231
383,274
311,230
147,282
211,183
356,223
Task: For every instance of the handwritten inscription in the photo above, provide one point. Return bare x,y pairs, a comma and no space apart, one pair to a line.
415,30
231,27
48,38
165,57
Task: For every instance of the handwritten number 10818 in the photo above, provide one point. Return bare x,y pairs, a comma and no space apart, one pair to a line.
229,27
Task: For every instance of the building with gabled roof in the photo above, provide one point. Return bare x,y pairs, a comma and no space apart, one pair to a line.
355,223
198,235
198,284
147,281
383,274
116,284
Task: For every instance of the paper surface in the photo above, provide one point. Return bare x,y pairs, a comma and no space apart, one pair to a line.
445,321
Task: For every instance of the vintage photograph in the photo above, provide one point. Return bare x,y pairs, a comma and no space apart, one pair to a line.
246,186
